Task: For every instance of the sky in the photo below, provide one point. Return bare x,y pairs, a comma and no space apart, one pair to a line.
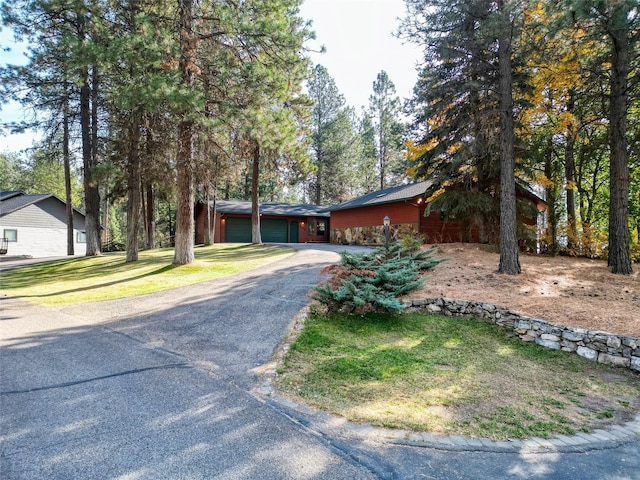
12,111
359,43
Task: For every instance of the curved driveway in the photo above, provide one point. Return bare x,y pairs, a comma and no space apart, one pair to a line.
160,387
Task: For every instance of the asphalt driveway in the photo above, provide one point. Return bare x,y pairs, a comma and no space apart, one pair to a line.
164,387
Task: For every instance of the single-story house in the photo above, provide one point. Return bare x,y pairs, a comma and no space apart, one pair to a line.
36,225
360,220
279,222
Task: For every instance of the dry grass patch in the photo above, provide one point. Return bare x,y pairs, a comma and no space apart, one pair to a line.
454,376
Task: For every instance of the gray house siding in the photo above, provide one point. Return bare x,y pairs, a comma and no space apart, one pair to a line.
41,227
48,213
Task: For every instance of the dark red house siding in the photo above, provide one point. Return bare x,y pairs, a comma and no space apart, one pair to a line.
443,230
363,224
399,212
404,213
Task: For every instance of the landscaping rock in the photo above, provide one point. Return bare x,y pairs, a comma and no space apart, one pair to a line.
594,345
613,360
587,353
554,345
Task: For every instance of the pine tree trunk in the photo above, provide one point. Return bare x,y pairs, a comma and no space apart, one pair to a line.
318,199
184,253
150,214
133,191
91,193
552,200
207,212
619,255
143,209
255,202
381,149
66,155
213,216
509,260
570,176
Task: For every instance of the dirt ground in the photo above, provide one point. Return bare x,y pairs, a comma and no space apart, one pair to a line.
570,291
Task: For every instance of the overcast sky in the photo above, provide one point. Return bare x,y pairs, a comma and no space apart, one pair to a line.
359,42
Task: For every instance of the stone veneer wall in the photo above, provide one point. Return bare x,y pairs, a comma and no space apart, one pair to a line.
602,347
371,235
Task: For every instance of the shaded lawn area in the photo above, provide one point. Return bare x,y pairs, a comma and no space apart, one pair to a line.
88,279
454,376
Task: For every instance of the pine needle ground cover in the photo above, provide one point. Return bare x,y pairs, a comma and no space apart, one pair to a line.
90,279
452,376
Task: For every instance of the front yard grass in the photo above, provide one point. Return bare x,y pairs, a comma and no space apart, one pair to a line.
88,279
453,376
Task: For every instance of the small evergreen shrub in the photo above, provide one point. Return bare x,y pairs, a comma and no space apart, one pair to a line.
373,281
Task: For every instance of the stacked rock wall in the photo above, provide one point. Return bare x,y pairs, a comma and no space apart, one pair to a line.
602,347
372,235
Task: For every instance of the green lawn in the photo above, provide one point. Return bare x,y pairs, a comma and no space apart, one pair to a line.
455,376
87,279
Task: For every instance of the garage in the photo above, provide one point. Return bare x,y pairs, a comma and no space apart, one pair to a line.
274,230
237,230
279,222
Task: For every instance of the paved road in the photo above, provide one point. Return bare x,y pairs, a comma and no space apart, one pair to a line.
164,387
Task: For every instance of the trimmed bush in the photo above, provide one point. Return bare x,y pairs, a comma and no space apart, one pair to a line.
373,281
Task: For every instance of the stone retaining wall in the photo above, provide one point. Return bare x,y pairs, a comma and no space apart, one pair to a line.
372,235
603,347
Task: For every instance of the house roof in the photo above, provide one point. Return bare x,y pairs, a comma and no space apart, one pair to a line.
15,200
12,193
388,195
271,208
530,195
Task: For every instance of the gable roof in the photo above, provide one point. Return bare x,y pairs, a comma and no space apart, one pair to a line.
271,208
13,201
388,195
12,193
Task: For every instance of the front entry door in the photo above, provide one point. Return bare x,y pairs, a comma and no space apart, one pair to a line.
293,232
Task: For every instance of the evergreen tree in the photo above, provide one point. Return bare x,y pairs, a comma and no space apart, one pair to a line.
618,22
136,48
185,156
365,166
509,261
331,138
465,116
384,107
60,35
455,108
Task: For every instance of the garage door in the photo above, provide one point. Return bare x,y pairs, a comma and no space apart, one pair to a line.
238,230
274,230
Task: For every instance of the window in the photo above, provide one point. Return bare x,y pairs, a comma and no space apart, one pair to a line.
10,234
317,227
81,237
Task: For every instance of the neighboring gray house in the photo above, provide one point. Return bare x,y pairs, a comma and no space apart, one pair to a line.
36,225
